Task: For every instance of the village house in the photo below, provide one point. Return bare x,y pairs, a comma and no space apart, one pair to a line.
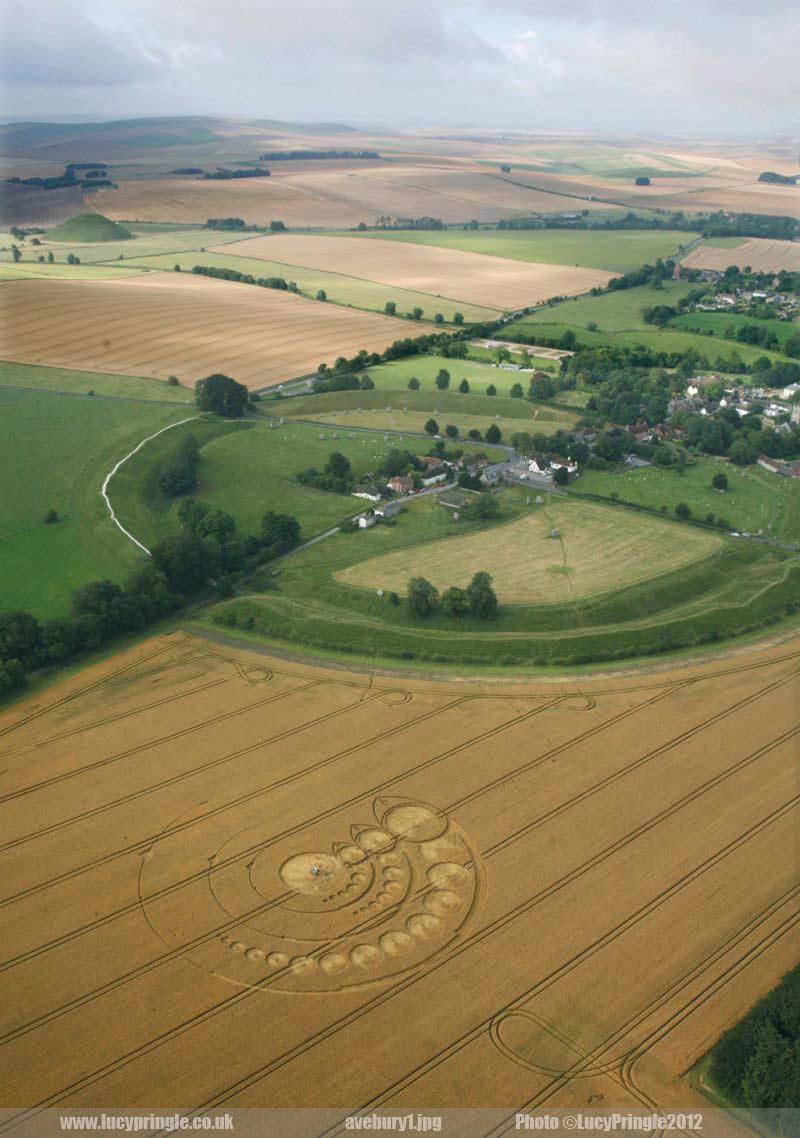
365,521
401,483
388,509
433,476
790,391
371,493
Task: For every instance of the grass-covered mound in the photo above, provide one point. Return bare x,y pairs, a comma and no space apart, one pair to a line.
89,227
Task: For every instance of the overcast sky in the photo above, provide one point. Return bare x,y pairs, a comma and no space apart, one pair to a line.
682,66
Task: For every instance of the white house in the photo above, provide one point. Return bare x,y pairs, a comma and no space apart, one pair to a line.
371,493
367,520
790,391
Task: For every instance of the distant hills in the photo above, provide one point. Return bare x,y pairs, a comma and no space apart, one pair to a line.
56,138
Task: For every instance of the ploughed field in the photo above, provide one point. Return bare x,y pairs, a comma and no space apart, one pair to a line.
178,324
232,877
761,255
496,282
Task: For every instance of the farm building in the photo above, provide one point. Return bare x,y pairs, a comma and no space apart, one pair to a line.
388,509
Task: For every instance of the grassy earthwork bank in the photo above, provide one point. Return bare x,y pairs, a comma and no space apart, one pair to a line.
724,588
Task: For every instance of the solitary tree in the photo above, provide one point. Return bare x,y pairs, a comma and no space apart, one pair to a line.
458,317
463,387
390,308
422,597
416,314
432,427
720,481
443,379
516,391
493,434
491,389
451,430
322,294
16,254
413,383
482,597
222,395
438,318
682,511
338,465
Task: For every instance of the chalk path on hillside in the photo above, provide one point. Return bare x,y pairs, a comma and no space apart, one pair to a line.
122,461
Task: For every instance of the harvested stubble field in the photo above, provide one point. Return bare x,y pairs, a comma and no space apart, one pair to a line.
591,552
177,324
492,282
571,886
761,255
329,198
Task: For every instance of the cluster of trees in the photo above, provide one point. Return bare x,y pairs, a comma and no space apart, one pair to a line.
740,438
179,472
179,565
718,224
186,170
647,274
341,381
96,173
221,174
390,308
225,223
243,278
221,395
337,475
757,1062
423,223
492,434
778,179
228,553
298,155
478,600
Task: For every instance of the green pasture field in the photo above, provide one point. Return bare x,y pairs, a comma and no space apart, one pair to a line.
394,376
618,311
618,316
355,292
304,601
618,250
56,452
756,501
248,468
59,379
718,323
405,410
